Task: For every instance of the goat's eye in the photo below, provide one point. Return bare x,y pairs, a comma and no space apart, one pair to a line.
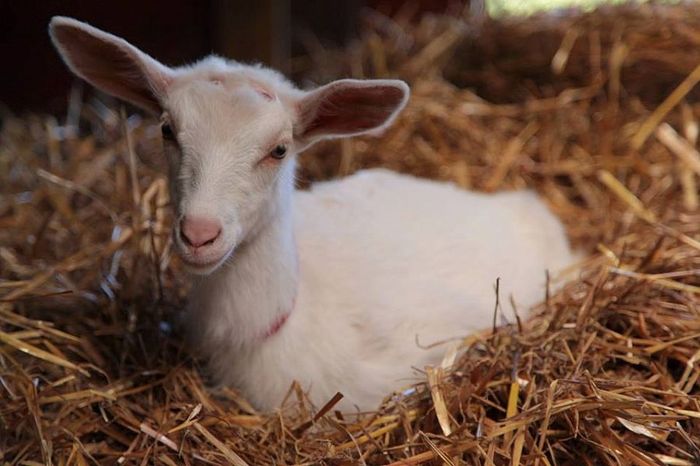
279,152
167,132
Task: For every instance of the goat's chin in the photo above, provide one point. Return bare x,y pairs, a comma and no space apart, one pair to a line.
207,266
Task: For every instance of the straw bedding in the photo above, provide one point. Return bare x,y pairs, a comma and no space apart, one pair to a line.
597,112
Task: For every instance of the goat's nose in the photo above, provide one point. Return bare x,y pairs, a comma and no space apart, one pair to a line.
199,231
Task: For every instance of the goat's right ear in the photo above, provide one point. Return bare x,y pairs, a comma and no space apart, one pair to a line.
110,63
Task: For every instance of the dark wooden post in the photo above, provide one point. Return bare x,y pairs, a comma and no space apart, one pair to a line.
252,31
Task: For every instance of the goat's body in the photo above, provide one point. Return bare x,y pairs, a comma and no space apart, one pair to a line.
387,264
373,267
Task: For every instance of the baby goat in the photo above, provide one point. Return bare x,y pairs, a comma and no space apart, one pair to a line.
340,287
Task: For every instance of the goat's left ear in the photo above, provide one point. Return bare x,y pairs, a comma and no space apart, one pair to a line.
348,107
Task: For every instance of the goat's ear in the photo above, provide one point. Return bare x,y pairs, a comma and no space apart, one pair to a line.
110,63
348,107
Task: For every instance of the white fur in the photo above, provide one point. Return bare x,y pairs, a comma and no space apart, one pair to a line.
373,263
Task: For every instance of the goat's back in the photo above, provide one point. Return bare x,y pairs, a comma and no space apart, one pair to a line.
403,249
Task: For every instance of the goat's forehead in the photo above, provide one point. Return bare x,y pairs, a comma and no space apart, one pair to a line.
220,100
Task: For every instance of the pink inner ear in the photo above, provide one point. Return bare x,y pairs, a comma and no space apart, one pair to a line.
353,109
112,66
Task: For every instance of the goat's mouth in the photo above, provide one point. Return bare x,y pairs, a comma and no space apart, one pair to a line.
203,264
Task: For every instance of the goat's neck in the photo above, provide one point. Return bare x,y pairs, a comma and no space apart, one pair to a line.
260,279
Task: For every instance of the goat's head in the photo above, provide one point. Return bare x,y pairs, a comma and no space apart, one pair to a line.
230,131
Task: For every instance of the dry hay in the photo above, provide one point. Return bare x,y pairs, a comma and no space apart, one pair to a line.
593,111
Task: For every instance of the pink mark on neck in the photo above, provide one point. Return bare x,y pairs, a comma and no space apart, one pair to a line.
279,322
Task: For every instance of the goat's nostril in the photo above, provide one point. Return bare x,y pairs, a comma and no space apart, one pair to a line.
210,241
183,236
199,231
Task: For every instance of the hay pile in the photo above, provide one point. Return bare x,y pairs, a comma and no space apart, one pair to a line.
596,112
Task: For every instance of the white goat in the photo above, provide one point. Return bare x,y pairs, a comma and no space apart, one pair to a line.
332,287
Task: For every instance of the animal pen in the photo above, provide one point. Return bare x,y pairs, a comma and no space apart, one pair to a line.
596,111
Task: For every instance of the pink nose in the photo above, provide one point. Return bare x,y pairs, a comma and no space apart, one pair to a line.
199,231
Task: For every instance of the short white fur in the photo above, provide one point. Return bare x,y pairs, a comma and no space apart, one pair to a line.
370,268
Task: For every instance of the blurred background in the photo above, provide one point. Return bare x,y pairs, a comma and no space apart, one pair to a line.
280,33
